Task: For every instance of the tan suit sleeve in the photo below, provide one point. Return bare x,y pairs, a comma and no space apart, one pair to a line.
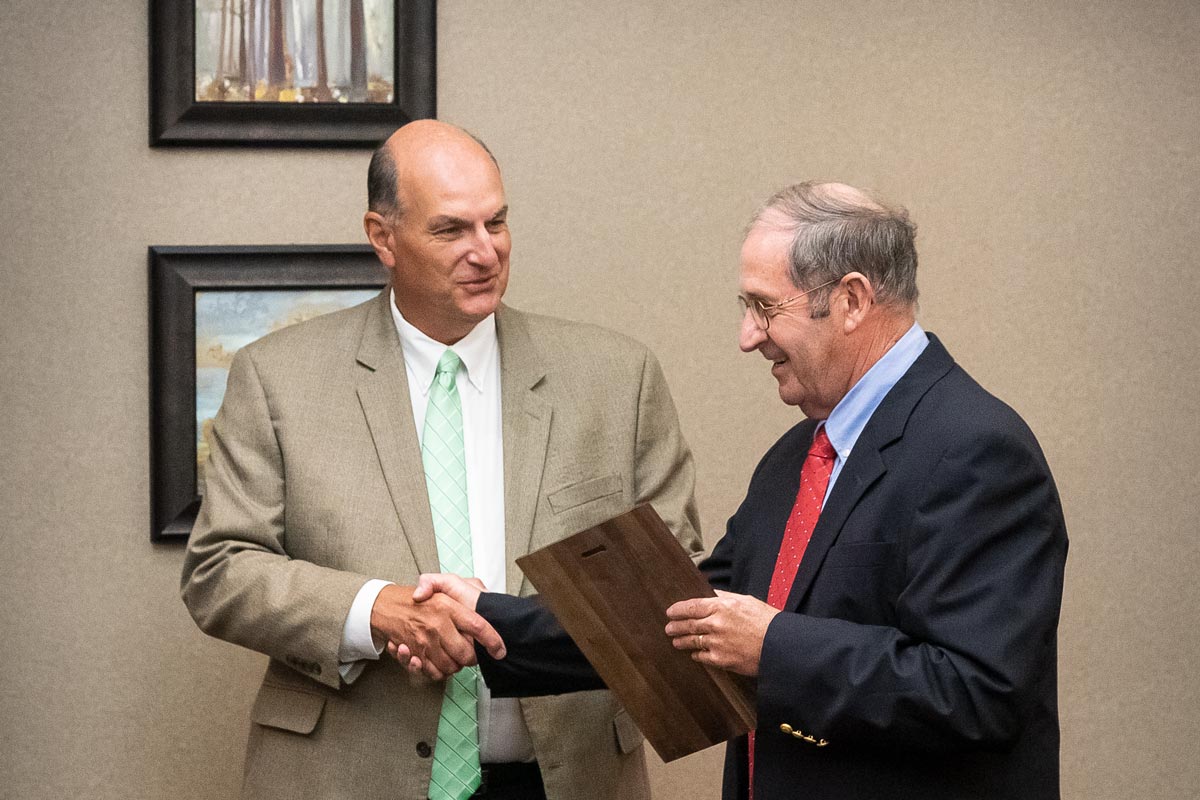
239,582
665,475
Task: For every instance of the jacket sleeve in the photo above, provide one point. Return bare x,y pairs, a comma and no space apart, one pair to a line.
238,582
542,659
665,476
976,616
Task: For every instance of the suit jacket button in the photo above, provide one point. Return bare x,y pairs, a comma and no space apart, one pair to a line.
785,728
424,750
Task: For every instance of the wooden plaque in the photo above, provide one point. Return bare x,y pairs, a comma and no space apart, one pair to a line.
610,587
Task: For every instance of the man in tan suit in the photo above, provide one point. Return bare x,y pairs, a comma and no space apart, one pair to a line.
316,519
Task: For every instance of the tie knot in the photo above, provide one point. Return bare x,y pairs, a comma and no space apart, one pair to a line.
821,446
447,368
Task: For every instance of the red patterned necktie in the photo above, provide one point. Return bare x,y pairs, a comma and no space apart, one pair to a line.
814,480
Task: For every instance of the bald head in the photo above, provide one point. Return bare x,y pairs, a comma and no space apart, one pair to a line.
439,223
410,145
838,229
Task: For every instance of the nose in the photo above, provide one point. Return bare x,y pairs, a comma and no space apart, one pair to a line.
750,337
483,253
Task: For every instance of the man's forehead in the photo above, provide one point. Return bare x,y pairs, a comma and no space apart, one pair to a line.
443,183
767,242
763,270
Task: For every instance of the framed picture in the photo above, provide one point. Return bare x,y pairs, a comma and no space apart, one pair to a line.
206,303
341,73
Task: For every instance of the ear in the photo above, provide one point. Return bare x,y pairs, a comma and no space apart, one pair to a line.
857,300
379,234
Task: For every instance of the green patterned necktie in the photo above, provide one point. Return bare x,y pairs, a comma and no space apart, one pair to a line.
456,773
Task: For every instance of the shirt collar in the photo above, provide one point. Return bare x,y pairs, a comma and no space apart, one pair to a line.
479,351
850,416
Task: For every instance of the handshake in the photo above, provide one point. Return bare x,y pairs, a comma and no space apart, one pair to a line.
432,628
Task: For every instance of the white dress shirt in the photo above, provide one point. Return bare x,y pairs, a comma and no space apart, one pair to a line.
503,736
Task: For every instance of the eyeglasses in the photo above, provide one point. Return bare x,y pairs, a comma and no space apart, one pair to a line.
762,313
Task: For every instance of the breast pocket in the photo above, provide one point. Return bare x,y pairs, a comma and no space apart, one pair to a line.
855,583
589,491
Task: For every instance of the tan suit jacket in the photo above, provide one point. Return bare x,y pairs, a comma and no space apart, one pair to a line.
315,485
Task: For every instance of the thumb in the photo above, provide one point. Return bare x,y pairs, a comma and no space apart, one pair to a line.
427,585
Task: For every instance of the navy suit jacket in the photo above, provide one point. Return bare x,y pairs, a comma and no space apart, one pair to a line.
919,640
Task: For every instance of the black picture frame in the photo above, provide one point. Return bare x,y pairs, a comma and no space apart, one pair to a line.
176,274
178,119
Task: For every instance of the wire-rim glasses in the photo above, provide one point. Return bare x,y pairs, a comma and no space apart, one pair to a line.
762,313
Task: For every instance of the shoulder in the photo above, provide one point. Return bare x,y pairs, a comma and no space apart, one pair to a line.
959,422
575,343
312,341
959,407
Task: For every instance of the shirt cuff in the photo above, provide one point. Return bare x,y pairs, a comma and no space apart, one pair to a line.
357,643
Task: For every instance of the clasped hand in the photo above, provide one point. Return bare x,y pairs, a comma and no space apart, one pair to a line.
432,628
726,631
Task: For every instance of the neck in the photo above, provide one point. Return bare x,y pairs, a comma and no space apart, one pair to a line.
446,332
876,340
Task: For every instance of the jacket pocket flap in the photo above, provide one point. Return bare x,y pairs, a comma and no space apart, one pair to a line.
287,709
628,734
584,492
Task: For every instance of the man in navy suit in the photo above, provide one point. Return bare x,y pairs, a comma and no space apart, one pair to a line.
894,575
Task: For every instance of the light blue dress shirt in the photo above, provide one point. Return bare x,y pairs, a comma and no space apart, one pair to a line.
850,416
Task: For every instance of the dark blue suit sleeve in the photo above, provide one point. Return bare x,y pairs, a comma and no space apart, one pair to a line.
542,659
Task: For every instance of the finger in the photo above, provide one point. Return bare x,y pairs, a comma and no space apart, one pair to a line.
432,671
695,608
480,630
399,652
683,627
438,664
460,649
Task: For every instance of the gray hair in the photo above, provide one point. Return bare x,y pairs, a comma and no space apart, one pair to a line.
837,230
382,178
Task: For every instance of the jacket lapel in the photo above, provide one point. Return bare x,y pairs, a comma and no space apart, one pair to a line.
383,395
866,464
769,521
526,432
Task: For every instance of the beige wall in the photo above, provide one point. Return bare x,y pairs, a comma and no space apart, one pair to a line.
1048,152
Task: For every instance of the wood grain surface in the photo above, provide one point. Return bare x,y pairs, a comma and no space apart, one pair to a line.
610,587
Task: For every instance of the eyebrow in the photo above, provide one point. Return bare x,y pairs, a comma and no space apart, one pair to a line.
458,222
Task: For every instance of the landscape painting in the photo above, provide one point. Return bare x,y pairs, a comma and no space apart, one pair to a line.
295,51
227,320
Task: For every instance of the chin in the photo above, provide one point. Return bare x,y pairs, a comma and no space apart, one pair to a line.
793,396
479,306
789,395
